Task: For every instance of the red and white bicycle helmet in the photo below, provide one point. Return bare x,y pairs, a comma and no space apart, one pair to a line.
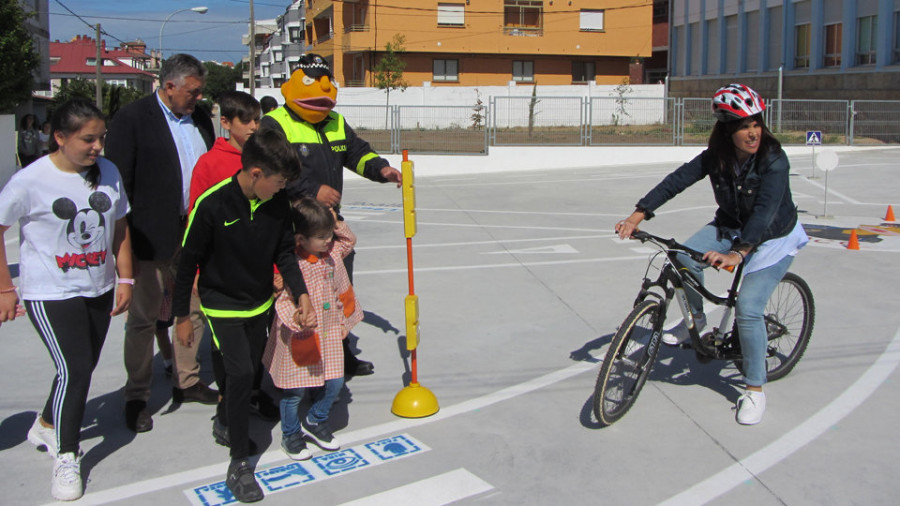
736,101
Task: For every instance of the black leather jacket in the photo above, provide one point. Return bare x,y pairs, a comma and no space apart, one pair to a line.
757,203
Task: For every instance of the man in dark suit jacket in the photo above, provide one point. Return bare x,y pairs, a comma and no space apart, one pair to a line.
155,142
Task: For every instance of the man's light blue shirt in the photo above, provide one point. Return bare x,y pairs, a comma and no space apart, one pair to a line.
190,145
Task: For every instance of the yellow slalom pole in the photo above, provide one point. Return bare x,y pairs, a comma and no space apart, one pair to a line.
413,401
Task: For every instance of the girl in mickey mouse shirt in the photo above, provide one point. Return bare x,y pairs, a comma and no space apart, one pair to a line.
70,206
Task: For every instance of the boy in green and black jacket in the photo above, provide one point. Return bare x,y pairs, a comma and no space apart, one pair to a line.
237,230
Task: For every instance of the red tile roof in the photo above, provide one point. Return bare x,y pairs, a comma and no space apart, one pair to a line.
73,57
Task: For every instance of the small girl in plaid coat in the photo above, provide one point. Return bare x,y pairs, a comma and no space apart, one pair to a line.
300,359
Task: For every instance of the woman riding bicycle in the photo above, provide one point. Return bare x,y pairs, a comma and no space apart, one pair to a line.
756,222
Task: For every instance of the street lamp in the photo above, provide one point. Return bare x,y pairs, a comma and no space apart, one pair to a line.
198,10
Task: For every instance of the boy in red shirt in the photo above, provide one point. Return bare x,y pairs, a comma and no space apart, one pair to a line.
240,117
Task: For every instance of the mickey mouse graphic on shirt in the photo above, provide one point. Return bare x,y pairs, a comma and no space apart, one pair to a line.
86,230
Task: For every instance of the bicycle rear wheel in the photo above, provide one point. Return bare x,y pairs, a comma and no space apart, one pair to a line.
790,316
628,362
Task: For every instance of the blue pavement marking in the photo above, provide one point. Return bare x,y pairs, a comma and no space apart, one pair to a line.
294,474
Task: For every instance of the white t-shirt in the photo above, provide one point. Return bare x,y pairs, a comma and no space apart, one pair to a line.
66,229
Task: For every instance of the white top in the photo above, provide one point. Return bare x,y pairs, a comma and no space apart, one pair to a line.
66,229
772,251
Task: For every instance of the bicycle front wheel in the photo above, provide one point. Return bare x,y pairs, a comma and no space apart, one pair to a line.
790,316
628,362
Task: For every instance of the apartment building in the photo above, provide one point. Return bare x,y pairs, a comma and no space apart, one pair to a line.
808,49
468,42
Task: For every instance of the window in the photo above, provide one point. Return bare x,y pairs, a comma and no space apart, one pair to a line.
661,10
446,70
801,53
896,37
582,71
294,32
833,39
866,31
523,17
591,20
451,15
523,71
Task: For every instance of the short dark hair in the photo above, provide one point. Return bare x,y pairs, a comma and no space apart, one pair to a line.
238,104
270,150
311,217
268,103
178,66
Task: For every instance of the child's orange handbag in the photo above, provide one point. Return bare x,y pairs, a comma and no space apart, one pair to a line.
305,348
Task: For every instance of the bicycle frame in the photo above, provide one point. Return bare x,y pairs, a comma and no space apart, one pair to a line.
673,277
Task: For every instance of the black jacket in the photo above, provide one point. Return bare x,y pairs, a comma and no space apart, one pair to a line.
140,143
325,148
235,246
758,203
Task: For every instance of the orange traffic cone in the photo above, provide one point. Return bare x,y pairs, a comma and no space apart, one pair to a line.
853,243
890,214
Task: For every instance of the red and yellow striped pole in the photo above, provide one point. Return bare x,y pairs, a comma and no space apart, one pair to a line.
414,400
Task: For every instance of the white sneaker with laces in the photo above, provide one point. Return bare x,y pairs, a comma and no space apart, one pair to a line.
680,333
67,477
40,436
750,407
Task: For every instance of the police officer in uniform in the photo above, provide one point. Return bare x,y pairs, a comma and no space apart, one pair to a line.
327,145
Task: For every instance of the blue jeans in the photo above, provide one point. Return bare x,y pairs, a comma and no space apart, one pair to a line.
755,290
323,398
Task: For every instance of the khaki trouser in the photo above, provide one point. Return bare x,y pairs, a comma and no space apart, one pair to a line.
140,328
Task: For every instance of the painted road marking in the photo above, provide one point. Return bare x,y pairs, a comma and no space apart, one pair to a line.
749,468
559,248
492,241
438,490
295,474
499,266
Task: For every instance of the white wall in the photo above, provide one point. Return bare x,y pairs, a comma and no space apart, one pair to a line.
467,95
557,105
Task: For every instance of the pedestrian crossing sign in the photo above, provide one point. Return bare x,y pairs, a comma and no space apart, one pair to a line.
813,138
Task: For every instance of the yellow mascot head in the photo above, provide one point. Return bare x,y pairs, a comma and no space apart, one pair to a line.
311,90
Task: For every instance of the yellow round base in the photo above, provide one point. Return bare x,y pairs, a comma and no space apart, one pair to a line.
414,401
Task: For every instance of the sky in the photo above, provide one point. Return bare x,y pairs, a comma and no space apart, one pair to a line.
214,36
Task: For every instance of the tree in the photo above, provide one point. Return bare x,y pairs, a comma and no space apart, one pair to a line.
114,97
18,58
219,79
389,70
478,111
621,111
532,114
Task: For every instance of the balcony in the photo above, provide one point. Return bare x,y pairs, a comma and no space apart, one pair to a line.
523,31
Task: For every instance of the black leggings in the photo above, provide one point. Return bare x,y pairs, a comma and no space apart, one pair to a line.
241,342
73,330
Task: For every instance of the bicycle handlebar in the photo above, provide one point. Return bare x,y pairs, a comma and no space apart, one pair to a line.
672,244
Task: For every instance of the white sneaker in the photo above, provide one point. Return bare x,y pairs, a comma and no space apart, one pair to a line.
41,436
750,407
680,333
67,477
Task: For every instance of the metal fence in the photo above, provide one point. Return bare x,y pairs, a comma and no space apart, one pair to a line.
607,121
